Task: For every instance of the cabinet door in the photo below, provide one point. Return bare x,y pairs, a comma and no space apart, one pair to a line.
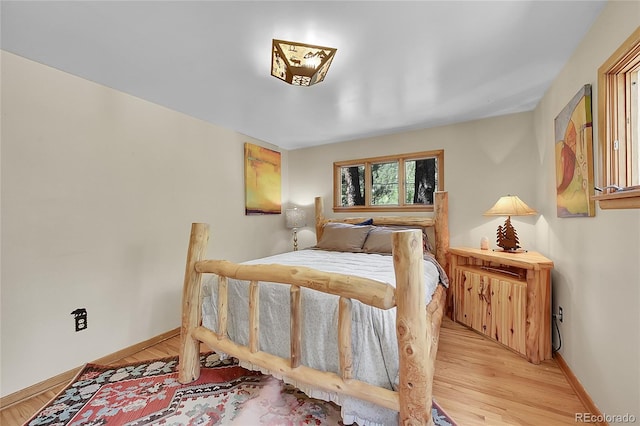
492,304
462,300
509,301
472,294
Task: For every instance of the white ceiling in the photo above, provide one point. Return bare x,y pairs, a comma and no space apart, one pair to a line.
399,66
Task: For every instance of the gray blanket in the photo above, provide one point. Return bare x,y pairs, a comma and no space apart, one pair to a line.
374,342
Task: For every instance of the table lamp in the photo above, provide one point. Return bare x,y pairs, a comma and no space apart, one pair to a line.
295,218
509,205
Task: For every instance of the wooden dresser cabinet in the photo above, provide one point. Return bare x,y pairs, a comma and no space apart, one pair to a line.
505,296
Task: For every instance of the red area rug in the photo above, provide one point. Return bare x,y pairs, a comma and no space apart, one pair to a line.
149,393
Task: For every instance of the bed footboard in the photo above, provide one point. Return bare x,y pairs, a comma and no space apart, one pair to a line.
417,332
189,368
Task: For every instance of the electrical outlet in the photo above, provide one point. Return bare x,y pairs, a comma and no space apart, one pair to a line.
80,316
560,313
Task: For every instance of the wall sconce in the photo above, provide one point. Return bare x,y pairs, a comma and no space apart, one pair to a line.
295,218
300,64
509,205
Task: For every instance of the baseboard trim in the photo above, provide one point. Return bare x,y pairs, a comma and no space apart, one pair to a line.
66,377
580,391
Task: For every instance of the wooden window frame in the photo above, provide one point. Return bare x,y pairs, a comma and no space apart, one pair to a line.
367,162
615,138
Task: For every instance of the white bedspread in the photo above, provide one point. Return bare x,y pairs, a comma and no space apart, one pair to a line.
374,343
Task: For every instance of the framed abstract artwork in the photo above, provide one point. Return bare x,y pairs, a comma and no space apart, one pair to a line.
574,157
262,180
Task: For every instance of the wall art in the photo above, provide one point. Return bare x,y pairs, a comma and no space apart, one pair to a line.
574,157
262,178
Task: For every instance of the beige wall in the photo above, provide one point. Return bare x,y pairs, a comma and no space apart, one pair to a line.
597,275
483,160
98,193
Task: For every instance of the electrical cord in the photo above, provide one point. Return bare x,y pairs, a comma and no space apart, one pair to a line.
555,321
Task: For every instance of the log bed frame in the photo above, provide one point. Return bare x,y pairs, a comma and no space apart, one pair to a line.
417,333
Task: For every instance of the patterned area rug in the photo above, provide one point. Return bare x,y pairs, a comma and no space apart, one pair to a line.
148,393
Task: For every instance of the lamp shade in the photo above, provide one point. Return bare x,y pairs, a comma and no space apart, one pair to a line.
295,218
300,64
510,205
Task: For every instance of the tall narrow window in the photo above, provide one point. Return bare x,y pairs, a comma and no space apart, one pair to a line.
635,127
401,182
619,128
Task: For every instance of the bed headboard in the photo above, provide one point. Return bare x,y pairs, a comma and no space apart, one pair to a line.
439,222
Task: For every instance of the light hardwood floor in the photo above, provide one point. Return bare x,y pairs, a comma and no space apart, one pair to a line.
477,382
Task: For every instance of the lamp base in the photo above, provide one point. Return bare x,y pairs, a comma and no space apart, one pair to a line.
507,237
518,250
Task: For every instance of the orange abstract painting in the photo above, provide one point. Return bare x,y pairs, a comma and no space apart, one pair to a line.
574,157
262,178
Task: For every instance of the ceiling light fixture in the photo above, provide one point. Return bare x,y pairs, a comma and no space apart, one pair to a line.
300,64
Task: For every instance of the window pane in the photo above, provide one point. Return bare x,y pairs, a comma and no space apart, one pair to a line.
384,183
352,186
420,180
635,128
409,180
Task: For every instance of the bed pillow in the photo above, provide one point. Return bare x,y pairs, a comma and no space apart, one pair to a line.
379,240
343,237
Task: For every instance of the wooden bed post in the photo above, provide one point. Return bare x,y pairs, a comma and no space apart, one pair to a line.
441,216
319,217
189,364
416,374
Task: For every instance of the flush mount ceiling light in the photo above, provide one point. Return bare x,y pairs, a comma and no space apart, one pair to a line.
300,64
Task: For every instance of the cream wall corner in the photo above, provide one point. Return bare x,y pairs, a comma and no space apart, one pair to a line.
597,269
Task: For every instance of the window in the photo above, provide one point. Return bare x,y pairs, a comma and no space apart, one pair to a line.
619,127
384,184
399,182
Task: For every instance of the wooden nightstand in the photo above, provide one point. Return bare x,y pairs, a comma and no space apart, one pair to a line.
505,296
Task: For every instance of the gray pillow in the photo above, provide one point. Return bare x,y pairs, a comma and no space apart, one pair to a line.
343,237
379,240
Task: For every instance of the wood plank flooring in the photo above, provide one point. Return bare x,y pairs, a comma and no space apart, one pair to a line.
477,382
